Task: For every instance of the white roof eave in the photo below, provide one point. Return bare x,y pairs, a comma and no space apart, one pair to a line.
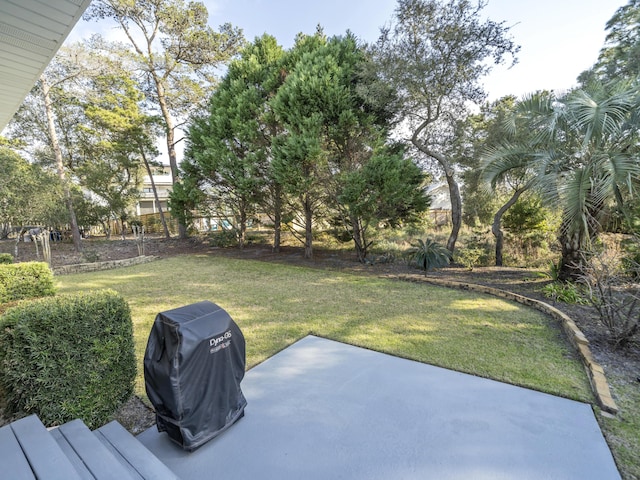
31,32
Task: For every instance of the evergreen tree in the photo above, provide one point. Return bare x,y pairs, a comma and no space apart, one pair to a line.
620,56
230,146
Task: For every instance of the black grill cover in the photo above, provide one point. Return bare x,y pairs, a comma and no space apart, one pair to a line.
193,366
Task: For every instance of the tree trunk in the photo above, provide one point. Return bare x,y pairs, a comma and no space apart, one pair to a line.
55,145
34,239
456,210
15,247
277,219
308,225
359,240
155,194
496,226
570,265
574,245
454,189
107,230
171,143
242,234
356,235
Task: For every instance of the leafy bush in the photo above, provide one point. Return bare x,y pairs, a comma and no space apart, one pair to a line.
25,280
564,292
472,257
386,251
530,231
68,357
91,256
631,257
223,239
6,258
529,215
478,250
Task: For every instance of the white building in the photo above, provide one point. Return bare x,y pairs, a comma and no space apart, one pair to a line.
147,203
440,208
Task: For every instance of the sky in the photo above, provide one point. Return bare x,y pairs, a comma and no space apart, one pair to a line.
559,38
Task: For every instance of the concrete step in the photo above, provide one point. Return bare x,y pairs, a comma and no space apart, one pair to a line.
135,456
91,458
29,451
44,457
14,463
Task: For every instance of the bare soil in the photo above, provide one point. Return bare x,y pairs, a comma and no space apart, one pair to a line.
620,365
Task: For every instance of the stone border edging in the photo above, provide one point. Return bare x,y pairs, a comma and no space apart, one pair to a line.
595,372
107,265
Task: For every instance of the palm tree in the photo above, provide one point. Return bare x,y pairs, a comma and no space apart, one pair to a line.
581,152
429,254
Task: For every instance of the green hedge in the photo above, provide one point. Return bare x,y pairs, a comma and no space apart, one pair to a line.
6,258
68,357
25,280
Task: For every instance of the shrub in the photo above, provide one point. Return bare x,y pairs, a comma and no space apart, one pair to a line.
472,257
631,257
564,292
478,250
91,256
6,258
615,297
429,254
25,280
223,239
386,251
68,357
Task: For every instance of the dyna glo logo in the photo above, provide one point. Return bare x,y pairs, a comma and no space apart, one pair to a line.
218,343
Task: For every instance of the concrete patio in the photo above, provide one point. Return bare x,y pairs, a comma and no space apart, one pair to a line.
325,410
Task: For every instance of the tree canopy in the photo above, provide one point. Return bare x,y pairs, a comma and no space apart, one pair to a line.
295,130
30,194
231,144
620,55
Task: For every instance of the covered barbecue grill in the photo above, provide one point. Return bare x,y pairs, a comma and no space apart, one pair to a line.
193,366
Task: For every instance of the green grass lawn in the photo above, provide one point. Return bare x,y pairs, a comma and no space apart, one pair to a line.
275,305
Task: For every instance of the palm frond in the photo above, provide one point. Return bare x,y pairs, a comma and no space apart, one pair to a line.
598,116
498,161
575,194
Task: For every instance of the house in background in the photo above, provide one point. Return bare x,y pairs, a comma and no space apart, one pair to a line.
147,204
440,208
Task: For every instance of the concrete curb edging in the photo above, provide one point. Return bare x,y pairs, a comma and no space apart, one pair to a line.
595,372
96,266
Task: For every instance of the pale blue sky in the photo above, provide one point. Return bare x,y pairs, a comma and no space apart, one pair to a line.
558,38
